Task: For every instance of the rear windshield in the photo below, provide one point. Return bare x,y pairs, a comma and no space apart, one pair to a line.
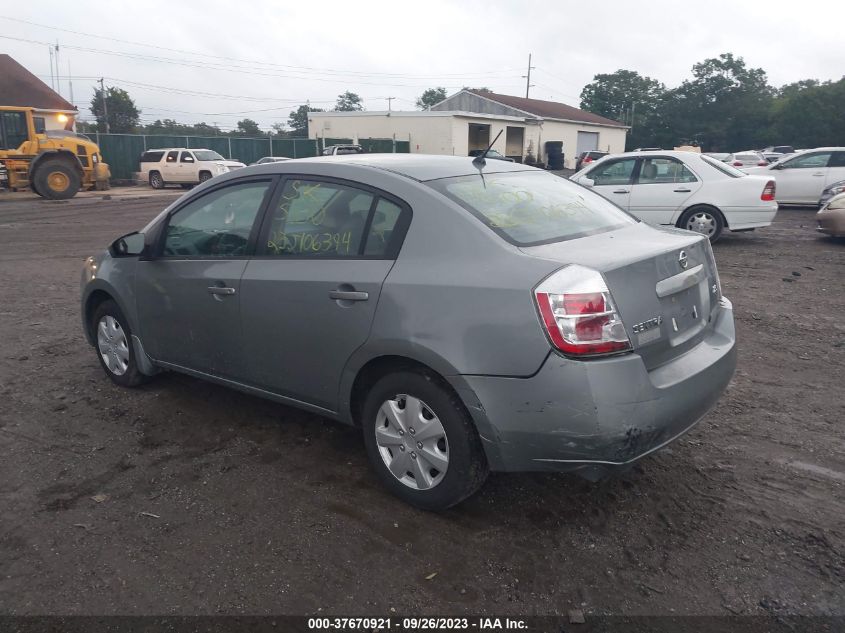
532,207
723,167
207,154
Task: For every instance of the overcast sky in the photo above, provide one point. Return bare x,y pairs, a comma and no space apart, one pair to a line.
258,59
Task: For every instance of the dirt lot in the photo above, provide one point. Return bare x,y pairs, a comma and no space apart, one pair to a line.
183,497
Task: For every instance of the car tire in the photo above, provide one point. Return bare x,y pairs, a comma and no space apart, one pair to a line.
113,344
205,176
156,181
703,219
56,179
451,442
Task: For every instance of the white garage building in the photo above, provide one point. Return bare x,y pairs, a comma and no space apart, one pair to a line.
470,119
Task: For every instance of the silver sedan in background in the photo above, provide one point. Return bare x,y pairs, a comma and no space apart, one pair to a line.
467,315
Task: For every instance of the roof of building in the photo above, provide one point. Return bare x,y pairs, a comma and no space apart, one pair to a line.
19,87
547,109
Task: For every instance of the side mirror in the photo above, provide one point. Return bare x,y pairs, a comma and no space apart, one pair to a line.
587,182
130,245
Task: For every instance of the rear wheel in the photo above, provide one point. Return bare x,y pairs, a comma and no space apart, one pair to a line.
56,180
156,181
705,220
421,441
114,345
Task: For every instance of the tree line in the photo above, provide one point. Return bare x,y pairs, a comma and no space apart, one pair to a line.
724,107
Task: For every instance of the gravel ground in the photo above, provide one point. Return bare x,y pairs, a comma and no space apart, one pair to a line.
186,498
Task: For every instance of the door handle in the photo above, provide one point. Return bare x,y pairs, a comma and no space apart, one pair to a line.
220,290
682,190
821,174
620,191
348,295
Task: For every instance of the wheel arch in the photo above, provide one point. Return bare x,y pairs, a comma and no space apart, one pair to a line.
702,205
46,156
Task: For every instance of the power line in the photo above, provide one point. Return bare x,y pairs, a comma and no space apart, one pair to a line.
254,61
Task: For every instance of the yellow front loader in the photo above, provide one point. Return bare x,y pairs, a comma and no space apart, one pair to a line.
55,164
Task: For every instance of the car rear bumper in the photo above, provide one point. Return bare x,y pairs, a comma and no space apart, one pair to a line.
740,218
598,416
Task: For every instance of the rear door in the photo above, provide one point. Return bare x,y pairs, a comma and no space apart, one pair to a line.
802,179
188,296
662,187
309,296
613,179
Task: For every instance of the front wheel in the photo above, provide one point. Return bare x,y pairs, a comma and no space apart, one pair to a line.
114,345
705,220
204,176
421,441
56,180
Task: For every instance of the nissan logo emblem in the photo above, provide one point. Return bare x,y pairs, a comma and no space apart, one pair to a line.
682,259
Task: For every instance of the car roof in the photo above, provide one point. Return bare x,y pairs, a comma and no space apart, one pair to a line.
661,152
420,167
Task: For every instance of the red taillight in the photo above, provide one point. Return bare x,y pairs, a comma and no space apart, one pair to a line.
768,191
587,159
763,163
736,163
578,313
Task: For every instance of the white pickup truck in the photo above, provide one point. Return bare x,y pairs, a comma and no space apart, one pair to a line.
182,166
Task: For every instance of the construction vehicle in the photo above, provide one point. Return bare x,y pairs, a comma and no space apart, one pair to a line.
55,164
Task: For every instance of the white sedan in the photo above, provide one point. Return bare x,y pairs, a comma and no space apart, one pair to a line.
803,176
684,189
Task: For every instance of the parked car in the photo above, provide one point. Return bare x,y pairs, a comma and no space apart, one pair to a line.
831,190
776,152
648,149
337,150
186,167
684,189
577,338
831,217
585,158
490,154
741,160
270,159
803,177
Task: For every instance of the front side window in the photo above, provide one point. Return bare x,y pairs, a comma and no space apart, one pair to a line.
615,172
664,170
318,219
187,157
529,208
217,224
808,161
207,154
171,156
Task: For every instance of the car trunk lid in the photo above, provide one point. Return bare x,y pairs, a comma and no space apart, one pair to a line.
663,281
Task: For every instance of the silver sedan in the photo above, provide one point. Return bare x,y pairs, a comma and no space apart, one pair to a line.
467,315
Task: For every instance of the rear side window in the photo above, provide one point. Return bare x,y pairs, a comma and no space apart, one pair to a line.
837,160
151,157
664,170
530,208
384,223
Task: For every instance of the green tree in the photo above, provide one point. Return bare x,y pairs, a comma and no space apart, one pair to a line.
627,96
809,114
298,120
122,114
348,102
431,97
248,127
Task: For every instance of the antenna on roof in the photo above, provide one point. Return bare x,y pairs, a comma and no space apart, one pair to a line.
479,161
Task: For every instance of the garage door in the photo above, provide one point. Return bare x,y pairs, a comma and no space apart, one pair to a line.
587,142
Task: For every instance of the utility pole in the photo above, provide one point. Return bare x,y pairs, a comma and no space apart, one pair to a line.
633,107
389,99
69,81
528,84
105,107
52,83
58,73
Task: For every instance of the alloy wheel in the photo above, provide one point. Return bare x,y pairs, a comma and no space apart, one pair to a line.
702,222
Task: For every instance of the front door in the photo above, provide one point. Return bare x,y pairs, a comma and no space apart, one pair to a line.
188,296
309,296
661,189
187,167
802,179
613,179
